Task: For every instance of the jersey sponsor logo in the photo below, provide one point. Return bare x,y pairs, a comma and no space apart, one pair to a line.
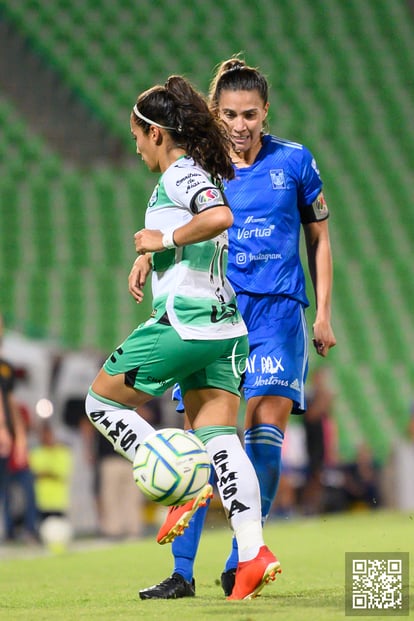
241,257
239,362
253,220
268,364
117,432
270,381
245,233
271,364
265,256
251,364
208,198
277,177
227,482
192,179
320,208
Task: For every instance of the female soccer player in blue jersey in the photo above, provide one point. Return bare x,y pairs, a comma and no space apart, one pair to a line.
277,190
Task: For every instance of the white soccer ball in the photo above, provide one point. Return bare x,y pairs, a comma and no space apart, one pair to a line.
171,467
56,533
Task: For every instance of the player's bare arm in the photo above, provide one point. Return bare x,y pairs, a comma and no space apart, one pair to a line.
201,227
321,271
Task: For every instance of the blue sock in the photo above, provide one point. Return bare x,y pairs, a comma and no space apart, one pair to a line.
233,558
184,548
263,444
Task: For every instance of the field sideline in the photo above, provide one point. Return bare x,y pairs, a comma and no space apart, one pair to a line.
101,584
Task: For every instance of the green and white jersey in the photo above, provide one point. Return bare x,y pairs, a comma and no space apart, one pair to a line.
189,283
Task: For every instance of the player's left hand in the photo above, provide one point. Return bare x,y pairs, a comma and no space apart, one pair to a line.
323,337
148,240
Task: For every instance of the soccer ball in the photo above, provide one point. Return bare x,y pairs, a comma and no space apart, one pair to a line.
171,467
56,533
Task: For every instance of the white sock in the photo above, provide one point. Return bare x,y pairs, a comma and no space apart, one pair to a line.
239,491
125,429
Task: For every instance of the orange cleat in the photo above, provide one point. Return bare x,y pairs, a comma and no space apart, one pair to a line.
252,576
178,517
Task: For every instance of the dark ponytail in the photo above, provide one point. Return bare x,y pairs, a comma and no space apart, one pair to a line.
184,112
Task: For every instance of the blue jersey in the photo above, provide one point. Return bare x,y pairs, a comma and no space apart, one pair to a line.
269,201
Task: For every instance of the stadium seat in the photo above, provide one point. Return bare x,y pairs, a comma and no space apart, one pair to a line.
340,82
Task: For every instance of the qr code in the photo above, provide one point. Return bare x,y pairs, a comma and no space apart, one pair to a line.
377,584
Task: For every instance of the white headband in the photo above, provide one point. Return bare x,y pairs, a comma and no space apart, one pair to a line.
147,120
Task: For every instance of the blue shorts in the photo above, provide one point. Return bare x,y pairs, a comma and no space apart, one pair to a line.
278,339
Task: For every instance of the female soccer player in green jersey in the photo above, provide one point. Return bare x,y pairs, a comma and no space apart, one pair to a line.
195,335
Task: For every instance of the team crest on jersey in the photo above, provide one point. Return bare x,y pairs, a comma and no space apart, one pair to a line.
154,197
278,179
208,198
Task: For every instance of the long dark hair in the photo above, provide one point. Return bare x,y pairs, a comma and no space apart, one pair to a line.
234,75
184,112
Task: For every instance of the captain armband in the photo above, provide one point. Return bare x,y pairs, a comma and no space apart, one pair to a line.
316,211
206,199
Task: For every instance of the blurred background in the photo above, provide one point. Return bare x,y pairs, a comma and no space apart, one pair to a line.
73,192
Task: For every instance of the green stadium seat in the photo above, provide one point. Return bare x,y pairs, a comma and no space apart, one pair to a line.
347,96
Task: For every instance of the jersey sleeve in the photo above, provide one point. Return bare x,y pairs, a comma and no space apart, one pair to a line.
193,189
311,203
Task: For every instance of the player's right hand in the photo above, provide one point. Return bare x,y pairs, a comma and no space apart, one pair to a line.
138,276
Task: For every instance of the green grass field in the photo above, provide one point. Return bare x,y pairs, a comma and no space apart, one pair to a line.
101,583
